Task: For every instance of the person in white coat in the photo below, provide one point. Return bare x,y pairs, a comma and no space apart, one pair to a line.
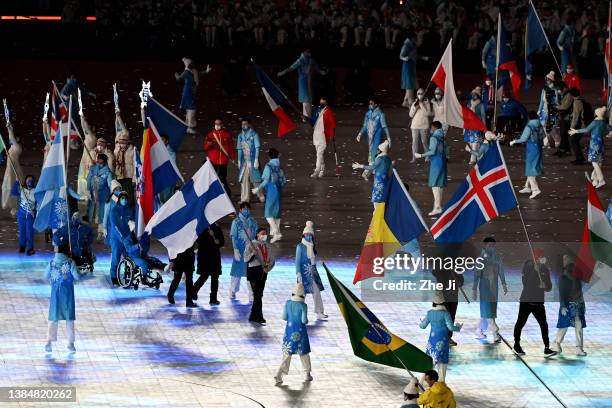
88,157
13,171
438,111
124,159
420,113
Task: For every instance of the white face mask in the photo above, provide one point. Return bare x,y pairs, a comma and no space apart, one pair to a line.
218,127
263,238
488,82
506,99
420,97
569,71
438,96
542,260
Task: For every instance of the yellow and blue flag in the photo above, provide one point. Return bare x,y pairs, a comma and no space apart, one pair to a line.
395,222
370,338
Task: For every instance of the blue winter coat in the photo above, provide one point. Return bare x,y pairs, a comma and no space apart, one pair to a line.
189,89
409,50
305,67
566,40
486,280
61,272
437,344
374,124
118,227
248,140
533,136
240,241
382,169
512,108
272,180
596,128
437,153
295,340
489,55
103,176
306,272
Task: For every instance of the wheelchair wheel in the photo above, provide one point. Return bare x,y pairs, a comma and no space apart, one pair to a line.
125,272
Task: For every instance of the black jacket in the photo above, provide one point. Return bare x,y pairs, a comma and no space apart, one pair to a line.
209,253
533,292
185,261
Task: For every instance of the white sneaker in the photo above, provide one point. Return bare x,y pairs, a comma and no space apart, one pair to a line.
480,335
314,175
48,347
71,347
525,190
580,352
321,174
435,211
308,377
278,380
321,316
535,194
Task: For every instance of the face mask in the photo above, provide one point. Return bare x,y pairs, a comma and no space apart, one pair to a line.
308,238
116,193
244,127
100,164
551,85
246,213
438,96
263,238
30,183
506,99
542,260
569,71
217,127
488,82
420,97
475,97
372,107
123,201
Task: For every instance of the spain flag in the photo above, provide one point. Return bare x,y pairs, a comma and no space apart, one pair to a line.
395,222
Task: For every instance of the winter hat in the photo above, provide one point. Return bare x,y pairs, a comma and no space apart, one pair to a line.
115,185
538,252
309,228
438,297
101,140
487,78
489,135
123,136
297,294
600,112
384,146
551,76
411,388
506,93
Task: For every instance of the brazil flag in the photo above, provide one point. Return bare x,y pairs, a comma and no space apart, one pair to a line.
370,339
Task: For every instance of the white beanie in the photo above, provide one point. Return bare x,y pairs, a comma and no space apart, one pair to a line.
551,75
384,146
438,297
600,112
298,293
115,185
309,228
411,388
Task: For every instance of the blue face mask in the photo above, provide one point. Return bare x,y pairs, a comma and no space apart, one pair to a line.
30,183
246,213
245,127
116,193
308,238
123,201
474,97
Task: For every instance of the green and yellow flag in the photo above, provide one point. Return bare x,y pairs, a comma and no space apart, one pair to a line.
370,339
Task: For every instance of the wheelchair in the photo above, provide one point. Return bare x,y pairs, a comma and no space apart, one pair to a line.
130,275
85,262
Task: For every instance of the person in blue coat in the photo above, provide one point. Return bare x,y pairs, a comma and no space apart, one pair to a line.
486,281
489,56
533,137
441,323
382,168
61,273
471,136
190,80
247,146
306,67
408,56
437,153
272,180
81,236
597,128
565,43
374,127
295,339
306,268
99,186
513,115
26,213
242,231
484,146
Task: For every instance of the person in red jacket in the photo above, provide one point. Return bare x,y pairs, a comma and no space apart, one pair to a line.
571,79
219,146
324,128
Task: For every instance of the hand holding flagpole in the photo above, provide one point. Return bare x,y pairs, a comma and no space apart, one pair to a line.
46,108
6,112
116,97
80,103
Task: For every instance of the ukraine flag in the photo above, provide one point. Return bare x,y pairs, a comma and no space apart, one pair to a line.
395,222
370,339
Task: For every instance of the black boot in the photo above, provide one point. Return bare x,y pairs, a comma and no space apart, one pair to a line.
518,349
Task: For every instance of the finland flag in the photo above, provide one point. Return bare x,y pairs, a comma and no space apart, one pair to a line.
199,203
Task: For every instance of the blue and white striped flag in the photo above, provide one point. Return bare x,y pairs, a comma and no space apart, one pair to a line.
199,203
50,192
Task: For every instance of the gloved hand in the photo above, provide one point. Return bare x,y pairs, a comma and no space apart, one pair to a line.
357,166
512,142
236,255
418,155
255,190
572,132
546,142
358,138
484,64
564,311
131,225
560,48
256,164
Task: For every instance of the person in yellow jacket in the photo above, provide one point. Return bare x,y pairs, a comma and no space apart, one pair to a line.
438,395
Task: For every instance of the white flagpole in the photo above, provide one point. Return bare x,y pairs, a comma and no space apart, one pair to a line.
552,51
496,73
66,173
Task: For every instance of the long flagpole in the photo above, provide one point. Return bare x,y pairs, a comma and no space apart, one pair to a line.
496,74
552,51
66,174
381,336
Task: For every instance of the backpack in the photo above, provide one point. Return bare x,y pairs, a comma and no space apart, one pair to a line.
588,114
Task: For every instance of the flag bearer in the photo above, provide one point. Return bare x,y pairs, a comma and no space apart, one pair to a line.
26,213
324,128
242,230
13,171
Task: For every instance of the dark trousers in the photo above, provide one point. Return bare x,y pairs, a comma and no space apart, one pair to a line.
575,141
257,278
222,174
188,284
539,312
451,307
214,284
564,127
508,125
